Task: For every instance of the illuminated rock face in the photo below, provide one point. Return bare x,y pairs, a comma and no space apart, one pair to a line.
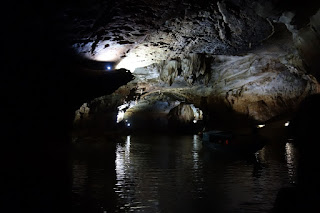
260,85
181,115
140,33
220,56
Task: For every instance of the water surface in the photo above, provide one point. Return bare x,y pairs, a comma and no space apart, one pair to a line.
176,173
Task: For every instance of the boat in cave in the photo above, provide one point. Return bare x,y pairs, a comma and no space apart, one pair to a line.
232,143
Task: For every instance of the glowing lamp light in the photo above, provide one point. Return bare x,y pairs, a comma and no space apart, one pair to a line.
261,126
128,124
287,123
194,121
108,67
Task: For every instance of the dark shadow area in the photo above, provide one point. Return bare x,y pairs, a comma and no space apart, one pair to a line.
42,85
102,66
94,175
304,197
302,10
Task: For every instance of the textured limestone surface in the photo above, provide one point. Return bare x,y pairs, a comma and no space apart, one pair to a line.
226,56
140,33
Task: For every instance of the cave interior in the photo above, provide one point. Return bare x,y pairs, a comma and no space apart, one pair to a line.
75,68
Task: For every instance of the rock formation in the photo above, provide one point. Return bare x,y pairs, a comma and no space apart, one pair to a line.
223,57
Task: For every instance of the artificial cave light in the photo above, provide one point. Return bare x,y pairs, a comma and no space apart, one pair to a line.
287,123
261,125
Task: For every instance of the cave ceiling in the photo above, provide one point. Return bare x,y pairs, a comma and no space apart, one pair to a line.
256,58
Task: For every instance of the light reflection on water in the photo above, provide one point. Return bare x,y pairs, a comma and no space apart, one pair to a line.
291,159
122,162
177,174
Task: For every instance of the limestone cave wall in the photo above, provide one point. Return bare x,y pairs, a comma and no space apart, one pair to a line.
258,59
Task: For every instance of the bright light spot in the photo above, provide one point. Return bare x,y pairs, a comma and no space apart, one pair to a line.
287,123
198,114
195,121
130,64
120,116
128,124
122,109
261,125
135,60
111,53
108,67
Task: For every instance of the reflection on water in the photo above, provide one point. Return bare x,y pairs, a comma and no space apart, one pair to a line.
291,159
195,152
128,179
122,162
177,174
